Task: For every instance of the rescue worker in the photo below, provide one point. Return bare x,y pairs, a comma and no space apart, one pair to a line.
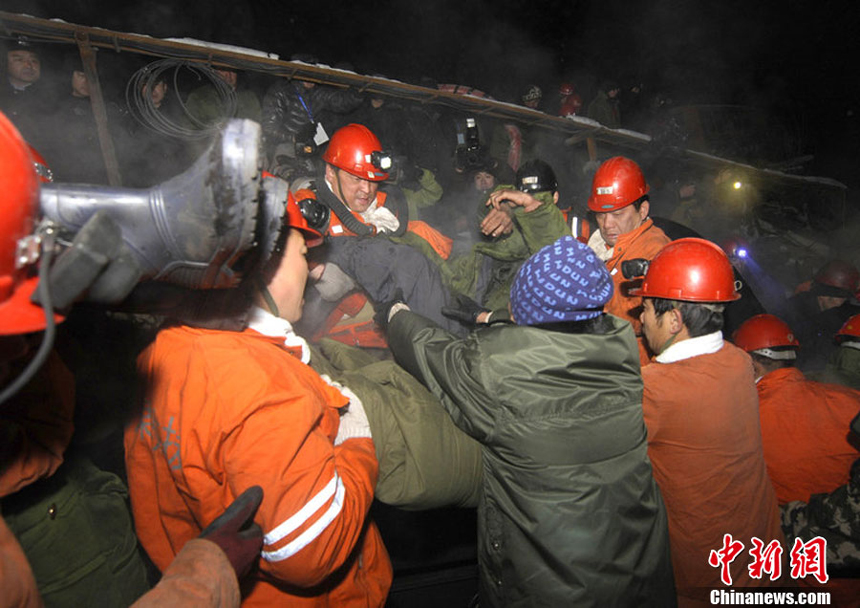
569,513
803,423
570,103
818,311
701,410
619,201
84,532
403,254
228,408
843,367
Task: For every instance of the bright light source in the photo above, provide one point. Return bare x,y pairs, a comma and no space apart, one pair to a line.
737,185
741,252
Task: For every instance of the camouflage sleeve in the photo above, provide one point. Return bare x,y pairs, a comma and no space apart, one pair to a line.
835,517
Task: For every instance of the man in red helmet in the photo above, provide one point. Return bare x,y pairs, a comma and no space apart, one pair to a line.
817,313
619,201
701,410
843,367
407,255
804,424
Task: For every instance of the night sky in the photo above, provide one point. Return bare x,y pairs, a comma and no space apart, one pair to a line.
791,58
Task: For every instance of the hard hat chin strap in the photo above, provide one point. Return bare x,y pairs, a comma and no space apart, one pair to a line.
43,288
267,297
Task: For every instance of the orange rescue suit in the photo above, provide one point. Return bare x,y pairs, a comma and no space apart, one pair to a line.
228,410
705,447
804,429
644,242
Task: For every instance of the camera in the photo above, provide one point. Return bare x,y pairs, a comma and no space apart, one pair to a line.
637,267
469,153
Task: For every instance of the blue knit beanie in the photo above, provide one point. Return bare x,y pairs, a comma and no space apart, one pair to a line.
562,282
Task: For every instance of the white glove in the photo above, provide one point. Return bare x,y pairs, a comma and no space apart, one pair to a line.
353,418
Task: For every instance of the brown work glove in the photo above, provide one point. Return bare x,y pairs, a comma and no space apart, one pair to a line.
236,533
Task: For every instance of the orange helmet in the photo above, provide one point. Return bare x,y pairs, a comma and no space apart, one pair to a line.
19,188
851,329
690,270
838,274
618,182
764,332
355,149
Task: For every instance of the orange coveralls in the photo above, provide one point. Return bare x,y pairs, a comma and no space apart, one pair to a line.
804,429
705,447
228,410
644,242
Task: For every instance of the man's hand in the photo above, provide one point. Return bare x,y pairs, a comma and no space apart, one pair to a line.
513,197
466,311
498,221
386,310
236,533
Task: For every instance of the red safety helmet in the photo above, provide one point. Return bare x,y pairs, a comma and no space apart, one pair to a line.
307,215
690,270
19,189
566,88
618,182
355,149
839,274
764,331
851,329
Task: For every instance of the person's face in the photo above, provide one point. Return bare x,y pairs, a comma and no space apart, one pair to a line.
308,85
158,92
354,192
533,103
80,85
484,181
287,286
23,67
828,302
228,76
655,328
613,224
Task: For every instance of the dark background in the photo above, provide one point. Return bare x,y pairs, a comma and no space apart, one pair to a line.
793,59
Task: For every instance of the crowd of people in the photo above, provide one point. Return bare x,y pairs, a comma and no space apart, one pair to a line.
452,312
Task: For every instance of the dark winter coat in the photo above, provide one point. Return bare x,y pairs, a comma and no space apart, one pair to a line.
569,514
288,108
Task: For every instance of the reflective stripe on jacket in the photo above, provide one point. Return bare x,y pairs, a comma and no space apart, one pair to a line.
228,410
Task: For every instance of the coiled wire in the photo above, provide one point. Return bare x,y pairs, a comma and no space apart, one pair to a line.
184,125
